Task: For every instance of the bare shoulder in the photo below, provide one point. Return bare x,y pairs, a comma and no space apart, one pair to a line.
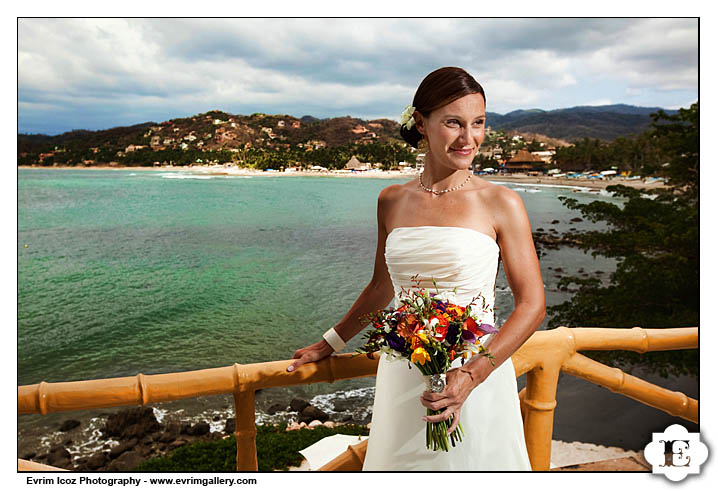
393,192
507,206
505,198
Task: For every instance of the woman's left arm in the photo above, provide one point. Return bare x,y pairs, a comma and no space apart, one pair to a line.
523,273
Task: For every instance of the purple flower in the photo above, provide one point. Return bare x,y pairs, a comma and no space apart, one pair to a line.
452,334
468,336
487,328
395,341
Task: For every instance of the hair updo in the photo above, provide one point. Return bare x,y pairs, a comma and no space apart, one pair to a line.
439,88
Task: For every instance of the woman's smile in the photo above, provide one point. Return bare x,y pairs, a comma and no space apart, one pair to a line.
462,151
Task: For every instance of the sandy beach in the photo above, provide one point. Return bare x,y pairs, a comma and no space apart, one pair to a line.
509,178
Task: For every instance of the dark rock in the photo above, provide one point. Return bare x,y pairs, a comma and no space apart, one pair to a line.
69,424
229,426
167,437
298,405
577,219
216,417
539,229
127,461
174,428
59,456
199,429
554,221
67,442
97,460
559,270
314,413
122,447
176,444
274,408
28,456
186,428
131,423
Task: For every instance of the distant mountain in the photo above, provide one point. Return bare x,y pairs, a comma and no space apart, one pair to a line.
575,123
217,130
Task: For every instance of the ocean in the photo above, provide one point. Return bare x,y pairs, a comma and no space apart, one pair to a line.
123,271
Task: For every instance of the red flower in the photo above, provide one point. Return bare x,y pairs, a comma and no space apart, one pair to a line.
471,326
441,331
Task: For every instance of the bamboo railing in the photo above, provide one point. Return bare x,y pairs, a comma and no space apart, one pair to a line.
542,358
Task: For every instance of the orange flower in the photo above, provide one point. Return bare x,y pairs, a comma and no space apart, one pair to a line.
455,310
407,326
420,355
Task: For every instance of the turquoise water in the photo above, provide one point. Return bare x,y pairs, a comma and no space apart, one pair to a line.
128,272
153,272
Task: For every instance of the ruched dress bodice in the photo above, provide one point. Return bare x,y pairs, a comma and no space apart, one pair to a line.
458,257
465,259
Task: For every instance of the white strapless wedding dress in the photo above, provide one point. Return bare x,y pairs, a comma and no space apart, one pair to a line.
491,418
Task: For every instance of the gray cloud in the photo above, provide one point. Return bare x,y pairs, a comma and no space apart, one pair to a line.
112,70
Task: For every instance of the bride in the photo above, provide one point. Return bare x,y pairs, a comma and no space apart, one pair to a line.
455,228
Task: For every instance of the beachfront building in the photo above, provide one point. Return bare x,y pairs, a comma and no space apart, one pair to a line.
524,161
355,165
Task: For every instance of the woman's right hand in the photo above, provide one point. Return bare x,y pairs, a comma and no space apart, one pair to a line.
313,352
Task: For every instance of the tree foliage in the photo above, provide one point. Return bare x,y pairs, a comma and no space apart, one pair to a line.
654,237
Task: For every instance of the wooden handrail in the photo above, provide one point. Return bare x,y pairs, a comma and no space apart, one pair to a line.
541,358
53,397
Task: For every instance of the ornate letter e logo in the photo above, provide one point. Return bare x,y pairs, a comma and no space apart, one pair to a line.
676,453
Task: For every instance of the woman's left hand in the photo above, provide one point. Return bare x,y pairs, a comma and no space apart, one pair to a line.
459,385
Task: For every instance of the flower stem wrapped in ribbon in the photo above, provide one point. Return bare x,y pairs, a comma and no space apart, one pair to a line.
430,331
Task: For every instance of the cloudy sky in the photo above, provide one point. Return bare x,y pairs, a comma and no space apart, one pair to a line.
100,73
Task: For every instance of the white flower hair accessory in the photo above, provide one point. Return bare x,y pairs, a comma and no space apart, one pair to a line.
407,117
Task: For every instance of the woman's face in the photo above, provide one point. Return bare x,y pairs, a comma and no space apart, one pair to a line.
455,131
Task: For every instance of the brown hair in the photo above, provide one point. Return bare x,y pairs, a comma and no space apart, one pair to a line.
439,88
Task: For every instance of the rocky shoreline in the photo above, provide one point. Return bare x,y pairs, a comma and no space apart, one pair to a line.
131,436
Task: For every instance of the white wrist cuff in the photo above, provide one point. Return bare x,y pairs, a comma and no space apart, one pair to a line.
334,340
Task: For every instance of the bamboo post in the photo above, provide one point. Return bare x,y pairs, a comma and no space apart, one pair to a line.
538,404
245,431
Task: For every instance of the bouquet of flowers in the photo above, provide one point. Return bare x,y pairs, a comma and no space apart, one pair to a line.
430,330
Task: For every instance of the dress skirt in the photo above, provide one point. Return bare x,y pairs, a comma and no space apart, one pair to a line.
491,419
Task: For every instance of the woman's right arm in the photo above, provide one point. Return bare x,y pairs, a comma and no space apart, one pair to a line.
376,295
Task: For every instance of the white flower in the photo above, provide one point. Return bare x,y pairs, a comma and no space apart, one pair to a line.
451,298
407,117
419,302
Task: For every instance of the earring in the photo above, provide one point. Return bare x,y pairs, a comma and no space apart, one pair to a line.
423,146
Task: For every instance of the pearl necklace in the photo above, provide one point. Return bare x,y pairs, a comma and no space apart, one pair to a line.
445,190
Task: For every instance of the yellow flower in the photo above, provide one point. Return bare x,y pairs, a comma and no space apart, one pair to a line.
420,356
